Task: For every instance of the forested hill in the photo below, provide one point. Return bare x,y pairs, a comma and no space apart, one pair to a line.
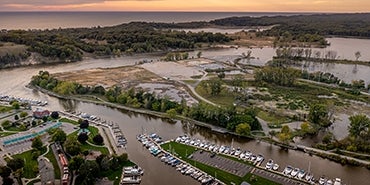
357,25
137,37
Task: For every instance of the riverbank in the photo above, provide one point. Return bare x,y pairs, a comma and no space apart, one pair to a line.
321,153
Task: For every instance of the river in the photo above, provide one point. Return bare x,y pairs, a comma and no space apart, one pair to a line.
13,81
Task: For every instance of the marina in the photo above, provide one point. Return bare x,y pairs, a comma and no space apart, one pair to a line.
31,102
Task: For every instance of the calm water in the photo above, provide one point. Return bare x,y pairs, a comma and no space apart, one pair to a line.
13,81
44,20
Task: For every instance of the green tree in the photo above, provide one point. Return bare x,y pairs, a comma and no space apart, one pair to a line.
82,137
359,126
75,162
98,139
215,86
285,134
243,129
89,171
199,54
23,114
171,113
15,164
65,88
16,117
16,105
5,171
37,143
59,136
72,146
319,115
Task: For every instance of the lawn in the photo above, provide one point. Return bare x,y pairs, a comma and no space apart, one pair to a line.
4,134
30,168
225,97
184,150
5,109
93,132
52,159
273,119
66,120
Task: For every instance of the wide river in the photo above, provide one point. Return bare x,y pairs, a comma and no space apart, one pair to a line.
13,81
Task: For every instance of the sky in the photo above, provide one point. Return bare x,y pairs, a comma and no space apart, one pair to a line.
188,5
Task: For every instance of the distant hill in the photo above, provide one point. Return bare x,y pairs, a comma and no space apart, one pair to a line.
357,24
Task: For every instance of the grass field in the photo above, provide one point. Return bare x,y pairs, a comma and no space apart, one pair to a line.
272,119
30,168
66,120
183,151
5,109
52,159
225,98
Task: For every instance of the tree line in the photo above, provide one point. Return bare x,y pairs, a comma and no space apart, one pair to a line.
136,37
357,25
226,117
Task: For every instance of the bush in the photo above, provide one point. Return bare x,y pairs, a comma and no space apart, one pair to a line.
54,115
98,139
82,138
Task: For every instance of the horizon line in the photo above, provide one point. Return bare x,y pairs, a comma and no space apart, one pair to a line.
174,11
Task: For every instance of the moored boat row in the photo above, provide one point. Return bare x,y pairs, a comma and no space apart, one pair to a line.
289,171
152,142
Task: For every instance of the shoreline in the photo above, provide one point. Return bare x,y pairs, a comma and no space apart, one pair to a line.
311,151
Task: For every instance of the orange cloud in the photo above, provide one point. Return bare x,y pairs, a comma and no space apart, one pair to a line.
191,5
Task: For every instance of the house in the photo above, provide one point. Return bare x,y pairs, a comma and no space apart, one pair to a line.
40,113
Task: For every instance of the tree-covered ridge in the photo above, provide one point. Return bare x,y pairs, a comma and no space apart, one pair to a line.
72,44
323,24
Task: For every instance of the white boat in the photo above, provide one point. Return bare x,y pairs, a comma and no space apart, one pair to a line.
338,181
308,177
222,148
301,174
288,170
275,167
237,152
269,164
329,182
322,181
131,180
294,172
259,158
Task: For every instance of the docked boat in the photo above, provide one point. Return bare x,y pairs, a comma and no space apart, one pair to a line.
338,181
269,164
329,182
132,171
260,158
275,167
322,181
288,170
131,180
308,177
294,172
301,174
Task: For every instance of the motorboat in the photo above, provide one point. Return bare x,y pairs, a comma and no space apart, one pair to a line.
131,180
322,181
275,167
329,182
308,177
338,181
288,170
269,164
260,158
294,172
301,174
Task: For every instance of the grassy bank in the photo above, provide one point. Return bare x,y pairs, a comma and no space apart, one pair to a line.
183,151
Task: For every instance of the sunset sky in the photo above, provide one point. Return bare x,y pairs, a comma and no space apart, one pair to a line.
188,5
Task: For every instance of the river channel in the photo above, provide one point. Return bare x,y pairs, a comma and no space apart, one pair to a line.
13,81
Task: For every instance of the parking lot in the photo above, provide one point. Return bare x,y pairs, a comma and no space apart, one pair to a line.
240,169
222,163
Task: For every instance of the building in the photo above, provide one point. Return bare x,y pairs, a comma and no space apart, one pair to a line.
40,113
